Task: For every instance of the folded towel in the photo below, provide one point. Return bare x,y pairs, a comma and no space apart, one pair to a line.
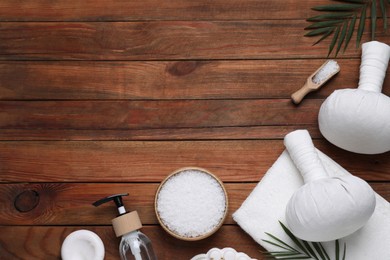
266,205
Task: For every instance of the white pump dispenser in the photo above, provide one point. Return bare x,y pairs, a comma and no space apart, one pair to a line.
134,244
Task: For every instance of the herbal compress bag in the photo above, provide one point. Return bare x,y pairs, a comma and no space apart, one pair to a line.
358,120
326,208
266,205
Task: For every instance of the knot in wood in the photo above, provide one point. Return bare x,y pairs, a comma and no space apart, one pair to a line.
26,201
182,68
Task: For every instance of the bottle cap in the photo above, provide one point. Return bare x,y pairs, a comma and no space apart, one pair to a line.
126,223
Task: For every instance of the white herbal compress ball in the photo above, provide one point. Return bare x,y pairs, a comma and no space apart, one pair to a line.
358,120
324,208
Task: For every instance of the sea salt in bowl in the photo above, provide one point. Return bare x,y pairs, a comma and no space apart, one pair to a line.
191,204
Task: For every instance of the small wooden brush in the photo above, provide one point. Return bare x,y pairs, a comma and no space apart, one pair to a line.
316,80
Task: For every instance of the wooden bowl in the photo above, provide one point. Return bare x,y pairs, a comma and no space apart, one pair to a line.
172,233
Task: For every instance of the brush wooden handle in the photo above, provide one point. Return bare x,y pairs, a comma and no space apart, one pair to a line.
301,93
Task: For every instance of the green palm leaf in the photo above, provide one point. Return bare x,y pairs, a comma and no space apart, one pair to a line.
281,242
293,238
373,19
323,24
345,251
342,37
295,257
323,251
350,32
303,250
324,36
310,249
319,31
319,250
384,13
329,16
362,23
340,18
283,254
337,7
334,40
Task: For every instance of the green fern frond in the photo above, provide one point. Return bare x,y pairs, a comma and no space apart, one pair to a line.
301,249
340,18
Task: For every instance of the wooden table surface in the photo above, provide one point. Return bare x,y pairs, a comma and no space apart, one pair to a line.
105,97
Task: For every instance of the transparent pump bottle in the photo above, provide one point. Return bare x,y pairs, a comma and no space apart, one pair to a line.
134,244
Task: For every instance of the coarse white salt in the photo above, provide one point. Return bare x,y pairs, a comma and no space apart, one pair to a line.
191,203
330,68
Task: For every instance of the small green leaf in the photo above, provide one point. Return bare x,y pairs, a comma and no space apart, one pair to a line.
281,242
373,19
318,31
309,249
283,253
325,253
318,250
342,37
323,24
277,245
294,257
293,238
329,16
350,32
324,36
384,13
337,246
345,251
362,22
334,40
337,7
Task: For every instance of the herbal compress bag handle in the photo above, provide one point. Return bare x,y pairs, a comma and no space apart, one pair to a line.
358,120
324,208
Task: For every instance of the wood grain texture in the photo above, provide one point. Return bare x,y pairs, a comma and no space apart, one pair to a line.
203,133
241,79
111,115
103,97
161,40
70,204
45,242
106,161
108,10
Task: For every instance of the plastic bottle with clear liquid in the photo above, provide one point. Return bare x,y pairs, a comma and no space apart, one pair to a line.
134,244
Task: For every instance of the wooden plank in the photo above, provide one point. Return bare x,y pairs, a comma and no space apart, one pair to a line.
108,10
122,115
70,204
162,40
117,161
18,242
206,133
168,80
